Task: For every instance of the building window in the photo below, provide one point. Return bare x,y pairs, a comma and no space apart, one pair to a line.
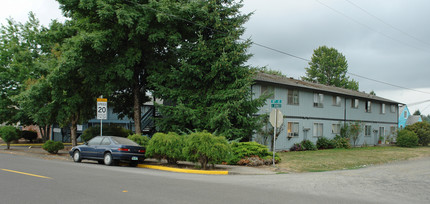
293,129
268,90
354,103
383,108
335,128
393,108
318,100
367,130
382,131
368,107
318,130
293,97
336,100
392,130
405,114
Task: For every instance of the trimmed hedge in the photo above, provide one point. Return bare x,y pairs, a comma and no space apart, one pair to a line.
205,148
139,139
308,145
166,146
324,143
52,147
249,150
91,132
406,138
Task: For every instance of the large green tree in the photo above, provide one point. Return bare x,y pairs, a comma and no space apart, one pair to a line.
118,43
210,88
329,67
20,55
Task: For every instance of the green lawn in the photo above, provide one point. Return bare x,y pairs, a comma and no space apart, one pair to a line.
337,159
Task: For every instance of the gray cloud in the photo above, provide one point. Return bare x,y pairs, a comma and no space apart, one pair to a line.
374,49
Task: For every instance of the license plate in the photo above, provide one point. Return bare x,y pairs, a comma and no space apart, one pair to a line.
134,158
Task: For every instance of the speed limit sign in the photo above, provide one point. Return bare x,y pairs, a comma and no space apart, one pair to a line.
101,108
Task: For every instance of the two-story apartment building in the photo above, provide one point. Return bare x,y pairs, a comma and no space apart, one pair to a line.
314,110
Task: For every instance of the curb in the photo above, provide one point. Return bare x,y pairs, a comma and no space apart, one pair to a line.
189,171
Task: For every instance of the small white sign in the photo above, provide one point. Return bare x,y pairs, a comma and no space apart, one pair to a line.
101,109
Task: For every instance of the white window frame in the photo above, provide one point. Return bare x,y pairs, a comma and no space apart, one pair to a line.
393,108
382,131
367,130
293,129
318,130
354,103
368,107
335,128
382,108
293,97
336,100
318,100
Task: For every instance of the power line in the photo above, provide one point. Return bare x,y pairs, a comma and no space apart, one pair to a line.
387,24
276,50
368,27
386,83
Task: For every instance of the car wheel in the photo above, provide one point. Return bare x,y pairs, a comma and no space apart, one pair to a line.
134,163
77,156
108,160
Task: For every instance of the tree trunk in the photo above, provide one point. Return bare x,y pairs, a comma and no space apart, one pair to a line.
136,108
73,130
8,145
44,132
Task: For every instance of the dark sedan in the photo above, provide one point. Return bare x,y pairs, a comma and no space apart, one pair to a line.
109,150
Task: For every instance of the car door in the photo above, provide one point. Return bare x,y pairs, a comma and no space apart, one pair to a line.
89,150
100,149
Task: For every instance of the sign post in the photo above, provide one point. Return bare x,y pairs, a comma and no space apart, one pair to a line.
276,119
101,112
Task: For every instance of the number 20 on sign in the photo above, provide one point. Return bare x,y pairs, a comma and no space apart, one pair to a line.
101,108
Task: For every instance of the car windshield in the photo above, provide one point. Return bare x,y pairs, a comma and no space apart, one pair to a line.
124,141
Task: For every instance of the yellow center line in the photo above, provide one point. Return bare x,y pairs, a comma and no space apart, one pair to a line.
28,174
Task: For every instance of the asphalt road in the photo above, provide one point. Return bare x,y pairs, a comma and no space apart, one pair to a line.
68,182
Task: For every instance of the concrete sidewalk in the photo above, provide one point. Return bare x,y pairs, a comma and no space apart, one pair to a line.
35,150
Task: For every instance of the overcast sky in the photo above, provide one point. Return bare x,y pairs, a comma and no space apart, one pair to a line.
385,40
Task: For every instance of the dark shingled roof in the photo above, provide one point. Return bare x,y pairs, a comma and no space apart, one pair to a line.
275,79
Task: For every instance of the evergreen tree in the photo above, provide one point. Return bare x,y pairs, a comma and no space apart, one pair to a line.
210,88
329,67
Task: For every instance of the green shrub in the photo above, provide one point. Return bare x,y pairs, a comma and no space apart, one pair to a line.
166,146
297,147
341,142
308,145
203,147
139,139
29,135
243,150
91,132
324,143
406,138
422,129
52,147
9,134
